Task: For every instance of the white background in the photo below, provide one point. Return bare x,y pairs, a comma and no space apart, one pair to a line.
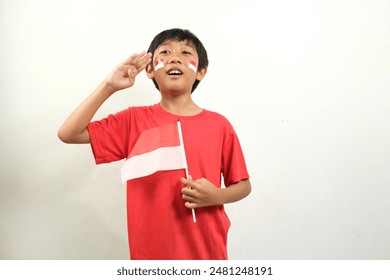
305,84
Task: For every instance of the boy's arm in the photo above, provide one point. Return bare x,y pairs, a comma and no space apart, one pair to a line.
202,193
74,129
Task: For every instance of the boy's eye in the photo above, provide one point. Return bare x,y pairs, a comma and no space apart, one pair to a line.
186,52
165,52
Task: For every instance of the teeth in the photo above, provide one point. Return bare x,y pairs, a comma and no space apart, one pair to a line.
174,72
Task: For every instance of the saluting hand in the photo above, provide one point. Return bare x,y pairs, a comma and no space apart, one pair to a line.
123,76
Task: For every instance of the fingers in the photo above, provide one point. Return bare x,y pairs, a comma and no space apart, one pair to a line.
201,193
191,202
131,73
191,205
189,193
139,61
134,57
189,182
132,66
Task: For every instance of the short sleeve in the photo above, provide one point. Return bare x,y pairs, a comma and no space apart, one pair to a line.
233,162
109,137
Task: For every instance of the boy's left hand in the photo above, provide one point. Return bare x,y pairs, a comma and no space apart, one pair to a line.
200,193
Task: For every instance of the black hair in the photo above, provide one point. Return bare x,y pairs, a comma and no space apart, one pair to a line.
177,34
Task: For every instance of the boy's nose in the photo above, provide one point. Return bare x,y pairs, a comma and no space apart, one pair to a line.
174,59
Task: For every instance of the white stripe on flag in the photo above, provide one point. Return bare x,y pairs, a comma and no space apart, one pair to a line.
166,158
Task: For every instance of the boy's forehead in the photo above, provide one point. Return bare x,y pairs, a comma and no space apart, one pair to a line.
173,42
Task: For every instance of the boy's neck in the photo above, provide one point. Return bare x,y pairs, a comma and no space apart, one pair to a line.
180,106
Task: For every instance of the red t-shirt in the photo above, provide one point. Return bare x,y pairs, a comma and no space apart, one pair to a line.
159,225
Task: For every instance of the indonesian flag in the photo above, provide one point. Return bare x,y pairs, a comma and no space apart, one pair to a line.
192,65
156,149
158,64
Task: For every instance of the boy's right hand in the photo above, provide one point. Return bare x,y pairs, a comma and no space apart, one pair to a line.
123,76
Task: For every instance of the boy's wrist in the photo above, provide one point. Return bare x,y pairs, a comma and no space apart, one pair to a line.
106,88
221,196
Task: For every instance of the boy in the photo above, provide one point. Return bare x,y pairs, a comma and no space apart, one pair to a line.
159,205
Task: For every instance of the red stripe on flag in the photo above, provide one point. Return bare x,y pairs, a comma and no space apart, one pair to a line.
152,139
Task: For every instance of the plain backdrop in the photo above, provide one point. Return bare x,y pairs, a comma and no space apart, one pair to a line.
305,83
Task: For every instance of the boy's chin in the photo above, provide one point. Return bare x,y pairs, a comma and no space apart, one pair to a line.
175,91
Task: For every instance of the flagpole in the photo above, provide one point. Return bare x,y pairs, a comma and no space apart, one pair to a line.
184,160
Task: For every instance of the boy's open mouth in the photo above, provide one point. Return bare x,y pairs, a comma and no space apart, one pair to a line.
174,72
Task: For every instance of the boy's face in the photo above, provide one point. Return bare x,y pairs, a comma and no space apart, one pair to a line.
175,66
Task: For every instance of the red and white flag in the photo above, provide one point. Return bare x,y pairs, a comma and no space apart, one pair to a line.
156,149
158,64
192,65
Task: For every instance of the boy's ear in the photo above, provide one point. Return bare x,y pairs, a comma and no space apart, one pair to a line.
149,71
201,73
